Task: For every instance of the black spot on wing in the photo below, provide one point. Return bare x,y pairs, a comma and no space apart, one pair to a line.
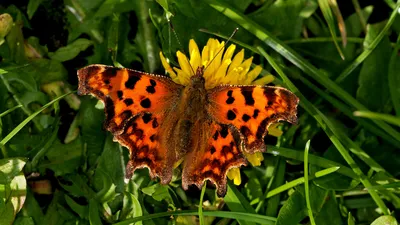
153,138
128,101
145,103
230,100
120,94
215,136
212,150
224,131
146,118
248,95
231,115
154,123
245,117
151,89
132,80
255,113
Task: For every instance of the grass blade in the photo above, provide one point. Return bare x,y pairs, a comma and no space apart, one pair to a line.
307,188
299,181
28,119
326,11
251,217
201,216
379,116
9,110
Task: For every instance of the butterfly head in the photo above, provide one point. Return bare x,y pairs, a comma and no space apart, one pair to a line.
197,80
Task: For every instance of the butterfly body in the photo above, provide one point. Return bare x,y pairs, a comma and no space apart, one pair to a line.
162,122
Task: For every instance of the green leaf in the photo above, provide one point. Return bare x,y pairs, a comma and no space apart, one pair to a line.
80,210
71,51
131,207
158,192
110,164
293,211
32,7
93,135
385,220
63,158
18,192
7,214
94,213
9,168
15,40
282,18
374,72
23,220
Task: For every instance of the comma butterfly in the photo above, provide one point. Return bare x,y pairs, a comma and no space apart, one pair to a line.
162,122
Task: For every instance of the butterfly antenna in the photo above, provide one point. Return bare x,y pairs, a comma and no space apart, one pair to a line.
180,44
220,50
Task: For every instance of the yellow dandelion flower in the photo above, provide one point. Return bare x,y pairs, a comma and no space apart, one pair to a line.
223,67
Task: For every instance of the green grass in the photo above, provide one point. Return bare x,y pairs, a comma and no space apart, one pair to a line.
338,165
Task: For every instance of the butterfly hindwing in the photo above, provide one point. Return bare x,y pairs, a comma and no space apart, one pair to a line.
214,157
126,92
251,109
141,135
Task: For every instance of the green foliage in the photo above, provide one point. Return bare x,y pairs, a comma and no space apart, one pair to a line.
59,166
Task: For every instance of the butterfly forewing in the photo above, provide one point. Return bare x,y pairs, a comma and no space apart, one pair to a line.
251,109
126,92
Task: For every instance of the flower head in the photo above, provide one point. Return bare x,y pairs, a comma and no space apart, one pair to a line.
222,66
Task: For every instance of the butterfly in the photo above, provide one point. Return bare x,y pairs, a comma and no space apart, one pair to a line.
162,122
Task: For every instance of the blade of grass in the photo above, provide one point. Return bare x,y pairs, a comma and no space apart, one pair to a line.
201,216
327,13
251,217
237,202
323,39
9,110
369,49
393,77
307,188
299,181
341,23
329,129
296,59
313,159
379,116
29,118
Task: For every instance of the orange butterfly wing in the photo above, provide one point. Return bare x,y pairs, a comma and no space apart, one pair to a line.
126,92
218,151
251,109
135,106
